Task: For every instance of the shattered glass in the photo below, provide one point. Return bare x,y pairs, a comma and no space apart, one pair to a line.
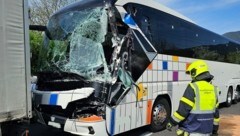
76,44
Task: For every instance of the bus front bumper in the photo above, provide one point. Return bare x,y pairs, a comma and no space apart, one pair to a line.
74,126
86,128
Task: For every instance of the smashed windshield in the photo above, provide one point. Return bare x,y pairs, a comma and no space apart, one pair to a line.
75,44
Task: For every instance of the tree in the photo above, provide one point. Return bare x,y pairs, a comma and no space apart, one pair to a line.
41,10
202,52
36,40
234,57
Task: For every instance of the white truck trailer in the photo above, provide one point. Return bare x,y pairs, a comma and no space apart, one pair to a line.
15,94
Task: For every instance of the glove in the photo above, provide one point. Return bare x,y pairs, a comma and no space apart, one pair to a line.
169,126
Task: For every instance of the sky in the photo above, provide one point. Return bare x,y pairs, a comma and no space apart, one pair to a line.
219,16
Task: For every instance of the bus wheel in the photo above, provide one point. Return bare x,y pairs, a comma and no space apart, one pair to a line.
237,95
160,115
229,97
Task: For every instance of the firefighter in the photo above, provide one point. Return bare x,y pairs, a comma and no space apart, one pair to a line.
198,113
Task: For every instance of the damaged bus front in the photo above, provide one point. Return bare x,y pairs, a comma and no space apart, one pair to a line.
85,67
110,66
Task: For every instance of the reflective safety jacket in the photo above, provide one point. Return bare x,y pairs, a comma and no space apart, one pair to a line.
198,108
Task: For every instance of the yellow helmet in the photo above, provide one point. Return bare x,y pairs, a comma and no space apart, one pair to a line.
196,68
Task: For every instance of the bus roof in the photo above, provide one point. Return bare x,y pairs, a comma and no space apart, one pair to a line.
155,5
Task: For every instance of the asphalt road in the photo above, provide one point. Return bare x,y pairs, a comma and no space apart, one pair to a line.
227,114
229,126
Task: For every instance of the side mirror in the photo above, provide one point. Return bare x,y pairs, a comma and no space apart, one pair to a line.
40,28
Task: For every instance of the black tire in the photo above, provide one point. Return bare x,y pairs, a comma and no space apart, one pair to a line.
228,102
158,123
238,92
237,95
235,100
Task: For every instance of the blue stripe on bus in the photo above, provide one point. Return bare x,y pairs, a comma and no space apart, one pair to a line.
112,127
53,99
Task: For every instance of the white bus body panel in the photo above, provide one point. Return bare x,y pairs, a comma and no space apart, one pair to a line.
60,98
167,77
15,94
225,75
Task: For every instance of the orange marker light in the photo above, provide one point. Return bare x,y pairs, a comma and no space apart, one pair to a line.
92,118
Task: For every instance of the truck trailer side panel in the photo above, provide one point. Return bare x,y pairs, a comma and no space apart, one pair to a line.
15,95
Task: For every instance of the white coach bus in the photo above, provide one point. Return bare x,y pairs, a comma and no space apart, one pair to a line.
108,67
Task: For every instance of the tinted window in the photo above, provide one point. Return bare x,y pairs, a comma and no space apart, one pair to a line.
174,36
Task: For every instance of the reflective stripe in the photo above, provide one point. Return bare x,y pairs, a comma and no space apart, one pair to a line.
199,112
178,116
216,123
194,107
216,93
197,98
176,119
186,133
200,134
187,101
217,105
179,132
182,132
207,119
216,120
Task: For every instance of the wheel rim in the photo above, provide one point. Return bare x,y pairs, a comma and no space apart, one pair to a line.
229,97
159,114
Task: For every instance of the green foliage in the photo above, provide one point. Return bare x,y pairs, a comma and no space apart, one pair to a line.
36,43
204,53
234,57
46,54
52,56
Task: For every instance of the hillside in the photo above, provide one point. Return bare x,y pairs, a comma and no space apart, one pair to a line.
233,35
